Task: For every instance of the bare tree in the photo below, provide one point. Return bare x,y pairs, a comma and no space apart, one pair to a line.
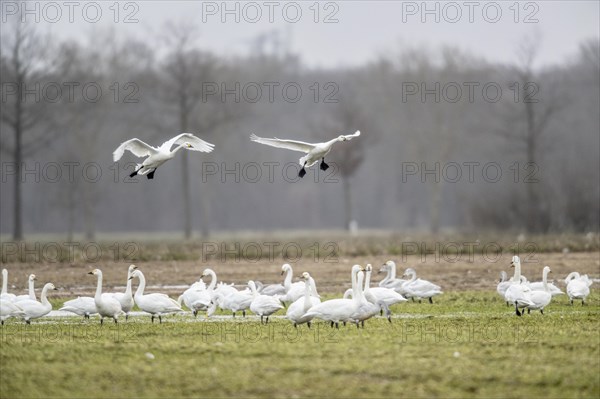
24,67
526,121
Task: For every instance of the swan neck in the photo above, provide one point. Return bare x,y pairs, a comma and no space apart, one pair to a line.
545,280
31,289
44,299
128,286
99,287
141,286
392,272
359,297
367,280
413,276
287,282
307,293
213,280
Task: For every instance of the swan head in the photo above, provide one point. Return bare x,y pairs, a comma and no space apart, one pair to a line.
96,272
50,286
305,276
188,145
387,265
516,261
205,273
131,268
409,272
369,268
356,269
285,268
136,273
547,269
342,138
32,277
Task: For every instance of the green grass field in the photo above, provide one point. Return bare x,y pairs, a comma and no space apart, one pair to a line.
467,344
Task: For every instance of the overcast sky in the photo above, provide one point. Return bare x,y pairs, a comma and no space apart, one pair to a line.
357,32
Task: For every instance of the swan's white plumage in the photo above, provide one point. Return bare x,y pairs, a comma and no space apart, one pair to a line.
4,294
156,304
31,290
34,309
106,304
296,311
263,305
82,306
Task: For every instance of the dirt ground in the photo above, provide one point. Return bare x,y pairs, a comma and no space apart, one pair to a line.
331,275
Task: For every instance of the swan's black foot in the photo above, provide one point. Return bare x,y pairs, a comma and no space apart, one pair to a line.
195,313
261,319
295,325
542,311
323,165
430,300
302,173
115,321
389,319
362,324
150,175
101,320
517,311
381,312
308,324
244,313
126,317
528,311
152,318
28,321
133,173
337,325
332,323
160,319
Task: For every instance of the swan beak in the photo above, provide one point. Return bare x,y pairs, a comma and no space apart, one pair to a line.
130,278
512,265
34,277
90,272
282,272
55,289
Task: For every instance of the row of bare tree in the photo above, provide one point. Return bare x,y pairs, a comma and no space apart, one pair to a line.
424,116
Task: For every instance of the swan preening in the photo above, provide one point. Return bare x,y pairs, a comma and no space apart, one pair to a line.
314,152
578,287
159,155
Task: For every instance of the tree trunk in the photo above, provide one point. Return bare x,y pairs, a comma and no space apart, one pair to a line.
532,194
347,202
18,157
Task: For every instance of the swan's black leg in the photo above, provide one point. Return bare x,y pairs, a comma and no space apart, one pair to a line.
302,172
115,319
332,324
244,313
195,312
344,323
362,324
261,319
517,310
234,315
135,172
582,302
1,322
528,311
381,312
308,324
152,318
295,325
507,303
101,320
337,325
571,302
150,175
323,165
267,320
542,311
28,321
160,319
430,300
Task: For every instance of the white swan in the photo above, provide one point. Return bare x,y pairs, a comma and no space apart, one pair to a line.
390,280
378,295
9,309
539,286
293,291
199,297
83,306
297,310
155,304
263,305
518,293
235,302
542,298
578,287
31,290
336,310
34,309
418,288
159,155
106,304
314,152
4,293
126,298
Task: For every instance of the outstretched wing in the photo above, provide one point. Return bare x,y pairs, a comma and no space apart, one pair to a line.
287,144
351,136
196,144
136,146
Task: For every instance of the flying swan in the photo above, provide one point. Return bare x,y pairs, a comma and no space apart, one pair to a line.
159,155
314,152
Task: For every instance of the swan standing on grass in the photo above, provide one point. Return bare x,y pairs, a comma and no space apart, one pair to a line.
314,152
9,309
390,280
263,305
292,291
336,310
126,298
380,294
4,295
106,304
198,297
34,309
542,298
297,310
155,304
159,155
83,306
578,287
518,293
418,288
31,292
235,302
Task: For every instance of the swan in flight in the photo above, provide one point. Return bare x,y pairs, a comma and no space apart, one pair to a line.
9,309
159,155
518,292
31,295
83,306
126,298
106,304
578,287
155,304
263,305
418,288
541,298
34,309
314,152
4,295
297,310
336,310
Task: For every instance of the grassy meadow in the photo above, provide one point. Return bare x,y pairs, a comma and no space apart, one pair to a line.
467,344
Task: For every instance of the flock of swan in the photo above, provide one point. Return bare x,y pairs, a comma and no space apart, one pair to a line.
156,156
519,292
300,299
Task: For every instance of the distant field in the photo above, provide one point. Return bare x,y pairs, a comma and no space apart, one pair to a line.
467,344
